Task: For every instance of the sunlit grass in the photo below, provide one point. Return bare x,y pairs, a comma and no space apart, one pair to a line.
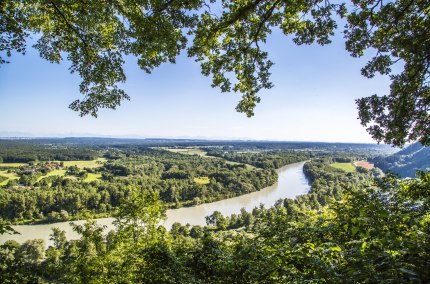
9,176
202,180
53,173
92,177
347,167
12,165
85,164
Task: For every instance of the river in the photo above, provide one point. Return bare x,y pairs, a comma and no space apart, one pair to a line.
291,182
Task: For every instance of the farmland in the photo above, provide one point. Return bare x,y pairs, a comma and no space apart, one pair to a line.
364,164
347,167
85,164
12,165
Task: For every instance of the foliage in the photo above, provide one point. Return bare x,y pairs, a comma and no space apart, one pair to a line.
398,31
229,45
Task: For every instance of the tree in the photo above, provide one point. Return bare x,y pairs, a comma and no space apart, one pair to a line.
399,32
139,215
32,251
217,220
96,36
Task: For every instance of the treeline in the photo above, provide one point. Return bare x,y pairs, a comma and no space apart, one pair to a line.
18,151
375,233
175,177
264,160
65,149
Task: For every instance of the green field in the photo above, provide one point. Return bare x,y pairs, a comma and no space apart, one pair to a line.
347,167
71,178
12,165
92,177
202,180
53,173
248,166
84,164
10,176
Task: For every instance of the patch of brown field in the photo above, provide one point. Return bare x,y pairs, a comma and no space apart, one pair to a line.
364,164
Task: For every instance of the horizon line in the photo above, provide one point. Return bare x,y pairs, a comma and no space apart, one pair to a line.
186,138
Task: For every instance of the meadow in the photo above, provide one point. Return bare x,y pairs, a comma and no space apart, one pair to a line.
9,176
85,164
347,167
12,165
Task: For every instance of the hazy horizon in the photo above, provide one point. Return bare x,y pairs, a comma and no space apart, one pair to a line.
137,137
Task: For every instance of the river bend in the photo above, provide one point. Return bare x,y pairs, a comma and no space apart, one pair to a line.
291,182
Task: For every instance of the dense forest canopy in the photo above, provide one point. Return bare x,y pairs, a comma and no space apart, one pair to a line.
95,37
23,151
49,180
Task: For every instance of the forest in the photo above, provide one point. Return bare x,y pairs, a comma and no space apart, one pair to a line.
46,191
47,186
351,227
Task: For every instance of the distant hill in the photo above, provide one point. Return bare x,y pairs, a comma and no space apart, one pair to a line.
405,162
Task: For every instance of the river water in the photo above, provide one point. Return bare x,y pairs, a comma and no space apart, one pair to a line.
291,182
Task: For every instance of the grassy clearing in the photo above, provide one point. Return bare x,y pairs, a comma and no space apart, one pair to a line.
85,164
347,167
187,151
202,180
92,177
71,178
12,165
53,173
249,167
56,173
10,176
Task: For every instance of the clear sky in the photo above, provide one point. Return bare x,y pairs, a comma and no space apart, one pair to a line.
313,99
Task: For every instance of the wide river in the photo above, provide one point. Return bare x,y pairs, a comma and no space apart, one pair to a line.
291,182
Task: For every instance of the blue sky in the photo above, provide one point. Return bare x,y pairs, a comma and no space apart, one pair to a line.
313,99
